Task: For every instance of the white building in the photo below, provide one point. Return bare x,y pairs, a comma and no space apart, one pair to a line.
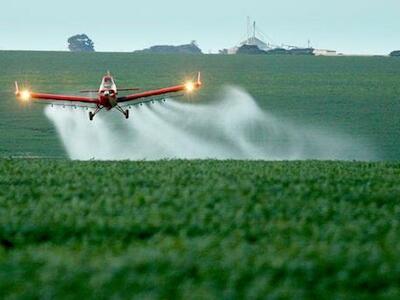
324,52
251,40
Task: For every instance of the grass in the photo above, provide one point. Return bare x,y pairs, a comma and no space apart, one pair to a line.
356,96
199,230
203,229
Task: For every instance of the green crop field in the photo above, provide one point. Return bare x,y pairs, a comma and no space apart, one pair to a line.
357,96
203,229
199,230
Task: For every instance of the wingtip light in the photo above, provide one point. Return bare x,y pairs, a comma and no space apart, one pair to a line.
25,95
189,86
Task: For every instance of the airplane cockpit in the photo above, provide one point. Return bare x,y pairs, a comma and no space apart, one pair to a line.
108,83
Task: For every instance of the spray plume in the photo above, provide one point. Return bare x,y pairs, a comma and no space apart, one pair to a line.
234,127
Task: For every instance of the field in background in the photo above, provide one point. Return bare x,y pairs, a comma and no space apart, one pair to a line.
356,96
199,230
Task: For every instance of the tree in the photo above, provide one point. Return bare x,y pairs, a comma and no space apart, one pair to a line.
80,43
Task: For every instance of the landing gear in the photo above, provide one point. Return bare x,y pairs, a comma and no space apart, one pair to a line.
124,112
92,114
119,108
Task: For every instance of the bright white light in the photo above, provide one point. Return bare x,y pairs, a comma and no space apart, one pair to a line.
25,96
189,86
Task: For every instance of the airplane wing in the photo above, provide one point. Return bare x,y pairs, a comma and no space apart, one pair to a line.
26,96
188,87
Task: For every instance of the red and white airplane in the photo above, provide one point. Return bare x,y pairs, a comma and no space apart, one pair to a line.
107,96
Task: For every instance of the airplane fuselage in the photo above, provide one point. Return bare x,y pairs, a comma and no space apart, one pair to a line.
108,99
108,93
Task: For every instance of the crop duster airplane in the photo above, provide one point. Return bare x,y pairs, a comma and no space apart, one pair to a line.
107,96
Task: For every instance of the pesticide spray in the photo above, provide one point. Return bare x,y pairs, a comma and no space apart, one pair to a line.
234,127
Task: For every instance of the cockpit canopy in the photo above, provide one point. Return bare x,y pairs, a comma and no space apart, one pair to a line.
108,82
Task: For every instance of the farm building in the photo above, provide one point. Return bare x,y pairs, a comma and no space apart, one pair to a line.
324,52
255,43
251,40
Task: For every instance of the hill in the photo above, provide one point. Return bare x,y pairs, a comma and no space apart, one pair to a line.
395,53
191,48
294,51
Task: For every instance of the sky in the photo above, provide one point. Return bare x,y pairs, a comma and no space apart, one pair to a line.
348,26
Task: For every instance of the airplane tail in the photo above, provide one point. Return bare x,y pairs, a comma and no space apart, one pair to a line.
199,78
16,88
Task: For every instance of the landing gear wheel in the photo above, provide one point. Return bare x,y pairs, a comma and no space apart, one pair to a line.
91,116
127,114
